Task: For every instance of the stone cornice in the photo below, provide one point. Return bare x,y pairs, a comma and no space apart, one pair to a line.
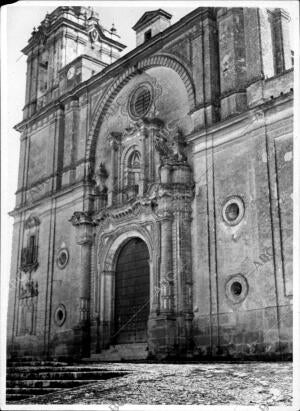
46,197
239,119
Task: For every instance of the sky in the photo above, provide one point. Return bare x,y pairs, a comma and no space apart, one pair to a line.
18,21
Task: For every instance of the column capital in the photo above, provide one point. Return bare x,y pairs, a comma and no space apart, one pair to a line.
165,215
108,273
84,224
82,218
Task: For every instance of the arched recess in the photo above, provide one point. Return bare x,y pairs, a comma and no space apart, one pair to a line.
131,293
108,250
109,247
104,101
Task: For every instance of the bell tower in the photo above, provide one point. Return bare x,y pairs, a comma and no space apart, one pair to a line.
67,34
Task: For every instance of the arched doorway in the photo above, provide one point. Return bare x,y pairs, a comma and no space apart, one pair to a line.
132,293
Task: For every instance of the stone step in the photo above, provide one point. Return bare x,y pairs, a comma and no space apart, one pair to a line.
64,375
24,358
72,368
16,397
122,352
31,391
48,383
24,380
36,364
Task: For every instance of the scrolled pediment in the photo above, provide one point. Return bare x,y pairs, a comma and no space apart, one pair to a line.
124,213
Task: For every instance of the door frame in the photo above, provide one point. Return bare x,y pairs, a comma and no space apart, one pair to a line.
108,252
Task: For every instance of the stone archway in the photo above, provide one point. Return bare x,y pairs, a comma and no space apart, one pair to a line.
163,60
108,258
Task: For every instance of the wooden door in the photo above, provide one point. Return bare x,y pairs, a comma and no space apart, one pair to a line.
132,293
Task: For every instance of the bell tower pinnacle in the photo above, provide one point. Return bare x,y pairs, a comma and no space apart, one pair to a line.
67,34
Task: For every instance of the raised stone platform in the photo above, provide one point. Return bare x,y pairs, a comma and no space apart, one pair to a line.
122,352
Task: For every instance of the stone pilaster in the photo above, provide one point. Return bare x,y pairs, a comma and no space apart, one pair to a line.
182,256
165,215
205,68
70,140
171,331
232,61
33,84
143,162
281,40
258,48
162,328
59,148
84,238
166,265
114,141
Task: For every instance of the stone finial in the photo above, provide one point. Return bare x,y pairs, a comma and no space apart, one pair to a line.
113,30
47,20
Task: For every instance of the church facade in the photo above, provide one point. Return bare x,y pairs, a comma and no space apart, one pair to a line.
153,215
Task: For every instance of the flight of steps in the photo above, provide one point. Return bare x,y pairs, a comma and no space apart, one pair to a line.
121,352
28,378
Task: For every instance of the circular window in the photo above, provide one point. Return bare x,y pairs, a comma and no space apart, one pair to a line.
62,258
140,101
60,315
236,288
233,210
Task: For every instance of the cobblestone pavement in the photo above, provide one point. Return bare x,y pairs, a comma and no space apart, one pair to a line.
251,383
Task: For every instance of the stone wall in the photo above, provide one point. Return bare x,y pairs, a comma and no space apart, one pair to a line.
250,252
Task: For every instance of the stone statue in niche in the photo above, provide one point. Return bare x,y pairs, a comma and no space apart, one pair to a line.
178,147
161,145
101,176
172,149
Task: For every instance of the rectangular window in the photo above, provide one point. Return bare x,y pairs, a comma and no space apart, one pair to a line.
31,251
147,35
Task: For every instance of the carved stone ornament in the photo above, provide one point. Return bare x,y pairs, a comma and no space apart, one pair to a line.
171,148
177,146
124,213
81,217
30,289
101,176
31,222
94,35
